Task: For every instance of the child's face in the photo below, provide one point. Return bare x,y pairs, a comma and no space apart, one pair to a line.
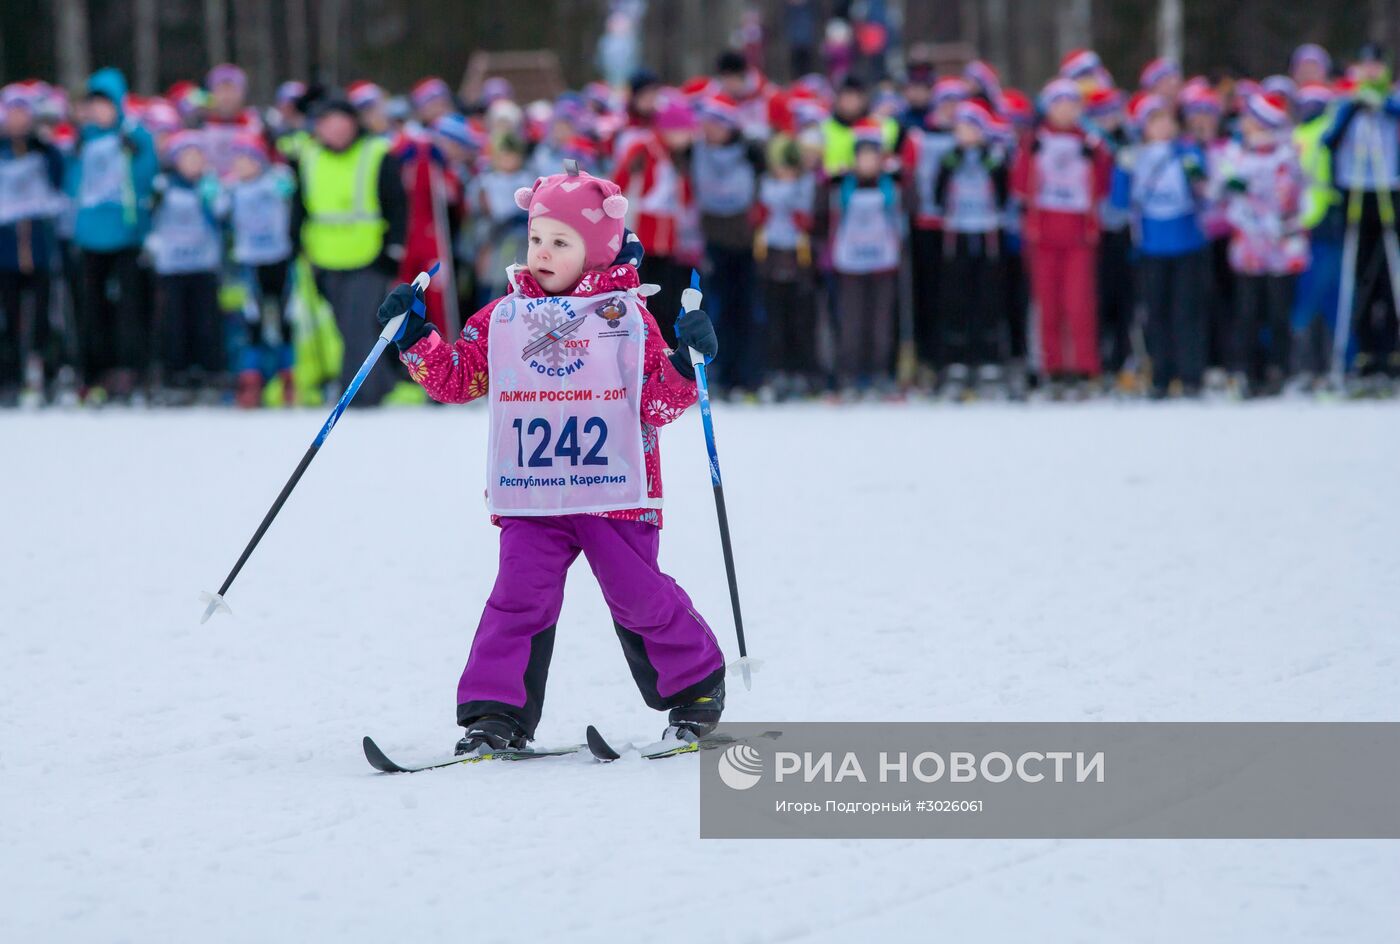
506,161
1064,112
1204,125
1161,126
246,167
189,163
868,161
716,133
677,139
556,255
968,134
1254,130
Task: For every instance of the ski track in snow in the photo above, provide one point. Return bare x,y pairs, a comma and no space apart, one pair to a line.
166,781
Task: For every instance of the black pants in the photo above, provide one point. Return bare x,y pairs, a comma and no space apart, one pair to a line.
743,348
270,284
1374,303
790,304
354,296
190,326
24,328
1018,303
113,333
1221,332
1115,298
865,342
973,299
1263,304
926,252
1173,289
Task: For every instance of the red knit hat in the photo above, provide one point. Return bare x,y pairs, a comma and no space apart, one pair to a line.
592,205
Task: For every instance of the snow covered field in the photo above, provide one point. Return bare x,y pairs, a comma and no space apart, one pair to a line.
166,781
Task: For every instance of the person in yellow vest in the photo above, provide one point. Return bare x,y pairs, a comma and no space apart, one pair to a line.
349,222
852,109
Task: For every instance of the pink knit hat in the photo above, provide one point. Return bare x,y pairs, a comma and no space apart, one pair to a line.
592,205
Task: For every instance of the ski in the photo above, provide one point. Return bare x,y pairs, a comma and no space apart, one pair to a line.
600,748
605,752
381,762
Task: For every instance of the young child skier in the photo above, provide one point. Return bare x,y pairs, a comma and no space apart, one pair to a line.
578,379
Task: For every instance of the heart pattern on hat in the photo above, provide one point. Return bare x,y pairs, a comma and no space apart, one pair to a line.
569,186
591,214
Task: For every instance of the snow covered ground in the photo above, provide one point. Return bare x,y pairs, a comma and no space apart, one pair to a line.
166,781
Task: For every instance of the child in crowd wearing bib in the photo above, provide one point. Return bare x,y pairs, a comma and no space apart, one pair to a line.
186,246
579,381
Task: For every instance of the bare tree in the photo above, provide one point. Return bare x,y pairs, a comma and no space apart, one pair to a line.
1073,26
71,46
328,39
252,28
998,36
1169,29
298,39
216,30
146,40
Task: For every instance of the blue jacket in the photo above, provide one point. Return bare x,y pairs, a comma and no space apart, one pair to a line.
1155,184
110,176
39,231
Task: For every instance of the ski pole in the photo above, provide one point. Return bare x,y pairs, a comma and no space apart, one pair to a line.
1346,291
391,331
690,300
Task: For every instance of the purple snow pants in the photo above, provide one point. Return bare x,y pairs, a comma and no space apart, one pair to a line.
673,656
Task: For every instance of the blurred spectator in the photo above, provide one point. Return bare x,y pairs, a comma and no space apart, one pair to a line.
350,222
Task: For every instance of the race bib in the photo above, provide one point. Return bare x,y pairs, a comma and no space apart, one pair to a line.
1065,174
866,239
25,191
104,172
566,388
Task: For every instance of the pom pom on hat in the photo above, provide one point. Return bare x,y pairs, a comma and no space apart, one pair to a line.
615,206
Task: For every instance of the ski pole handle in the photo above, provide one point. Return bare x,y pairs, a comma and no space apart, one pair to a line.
420,285
690,301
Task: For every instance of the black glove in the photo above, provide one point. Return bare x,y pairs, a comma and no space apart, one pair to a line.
694,330
1236,185
416,326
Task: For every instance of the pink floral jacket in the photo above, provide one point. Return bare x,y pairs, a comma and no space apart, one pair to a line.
459,372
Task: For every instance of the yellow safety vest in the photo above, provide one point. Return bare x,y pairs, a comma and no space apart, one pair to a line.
344,227
839,152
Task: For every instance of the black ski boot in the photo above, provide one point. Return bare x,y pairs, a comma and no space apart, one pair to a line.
693,721
491,733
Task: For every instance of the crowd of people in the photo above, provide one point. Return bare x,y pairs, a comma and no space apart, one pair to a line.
937,235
